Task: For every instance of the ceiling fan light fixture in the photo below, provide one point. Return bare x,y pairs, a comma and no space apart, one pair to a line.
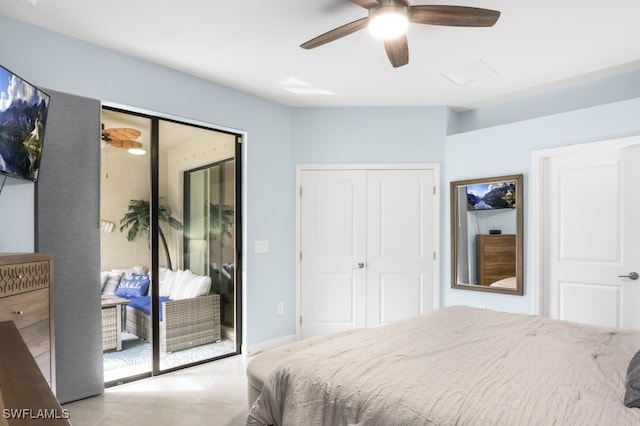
388,22
136,151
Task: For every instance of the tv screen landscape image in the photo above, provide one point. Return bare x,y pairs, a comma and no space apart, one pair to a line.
491,196
23,119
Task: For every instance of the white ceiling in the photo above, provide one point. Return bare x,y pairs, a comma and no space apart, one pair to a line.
254,46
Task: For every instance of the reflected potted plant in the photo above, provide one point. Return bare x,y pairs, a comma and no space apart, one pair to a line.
137,221
221,220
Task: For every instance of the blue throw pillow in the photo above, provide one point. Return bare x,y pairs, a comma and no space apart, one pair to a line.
144,304
136,285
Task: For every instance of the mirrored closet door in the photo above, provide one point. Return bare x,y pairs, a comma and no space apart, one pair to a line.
177,220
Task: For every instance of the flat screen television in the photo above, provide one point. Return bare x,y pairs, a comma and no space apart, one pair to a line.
491,196
23,119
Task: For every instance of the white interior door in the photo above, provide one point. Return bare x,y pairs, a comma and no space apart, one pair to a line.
333,251
593,237
400,244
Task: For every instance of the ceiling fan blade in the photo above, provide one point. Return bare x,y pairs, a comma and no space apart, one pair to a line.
397,51
453,16
128,144
367,4
336,33
121,133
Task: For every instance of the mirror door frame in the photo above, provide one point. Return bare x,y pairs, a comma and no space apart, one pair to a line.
454,185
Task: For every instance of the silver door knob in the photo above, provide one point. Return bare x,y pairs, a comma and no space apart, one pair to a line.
360,265
631,276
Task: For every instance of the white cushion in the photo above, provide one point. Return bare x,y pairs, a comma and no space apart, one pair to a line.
188,285
113,281
167,279
128,272
203,286
104,275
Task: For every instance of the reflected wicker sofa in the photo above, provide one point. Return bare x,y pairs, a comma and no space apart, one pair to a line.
109,329
185,323
190,314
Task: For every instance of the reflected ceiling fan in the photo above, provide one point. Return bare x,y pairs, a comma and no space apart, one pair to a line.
389,19
123,137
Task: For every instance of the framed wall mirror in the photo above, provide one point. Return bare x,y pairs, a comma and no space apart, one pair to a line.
487,234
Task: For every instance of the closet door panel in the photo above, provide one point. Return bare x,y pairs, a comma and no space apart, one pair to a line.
400,244
333,244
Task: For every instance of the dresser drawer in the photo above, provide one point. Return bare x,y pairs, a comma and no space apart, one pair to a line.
26,290
23,277
25,309
496,257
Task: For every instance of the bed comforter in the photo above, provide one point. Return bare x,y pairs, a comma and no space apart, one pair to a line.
457,365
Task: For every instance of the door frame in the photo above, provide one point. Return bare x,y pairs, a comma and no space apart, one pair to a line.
300,168
540,159
240,153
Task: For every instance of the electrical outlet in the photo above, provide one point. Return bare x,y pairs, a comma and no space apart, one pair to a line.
280,308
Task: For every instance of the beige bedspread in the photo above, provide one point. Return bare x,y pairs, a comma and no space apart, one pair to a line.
458,365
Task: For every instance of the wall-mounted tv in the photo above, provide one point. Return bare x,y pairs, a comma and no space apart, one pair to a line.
23,119
491,196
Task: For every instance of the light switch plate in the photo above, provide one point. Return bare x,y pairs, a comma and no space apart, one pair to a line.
261,247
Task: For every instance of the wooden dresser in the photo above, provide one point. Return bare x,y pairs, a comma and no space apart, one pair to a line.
496,257
26,298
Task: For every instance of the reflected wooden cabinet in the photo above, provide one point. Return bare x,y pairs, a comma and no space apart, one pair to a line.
26,293
496,257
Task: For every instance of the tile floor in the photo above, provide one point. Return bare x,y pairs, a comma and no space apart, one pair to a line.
209,394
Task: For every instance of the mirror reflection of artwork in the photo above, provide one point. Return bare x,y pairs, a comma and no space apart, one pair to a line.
491,196
486,234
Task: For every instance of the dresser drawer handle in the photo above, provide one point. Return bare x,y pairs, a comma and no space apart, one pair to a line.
18,312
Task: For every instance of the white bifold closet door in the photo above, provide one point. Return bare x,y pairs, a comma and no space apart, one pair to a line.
367,247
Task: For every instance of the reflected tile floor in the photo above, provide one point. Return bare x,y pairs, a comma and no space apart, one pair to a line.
209,394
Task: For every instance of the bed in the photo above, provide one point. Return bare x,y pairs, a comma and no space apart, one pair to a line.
458,365
509,282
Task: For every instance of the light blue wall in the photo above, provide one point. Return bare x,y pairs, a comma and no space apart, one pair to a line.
278,137
507,149
16,215
369,135
51,60
489,141
361,135
346,135
594,93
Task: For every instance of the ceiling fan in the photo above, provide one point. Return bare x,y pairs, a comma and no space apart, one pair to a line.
123,137
391,18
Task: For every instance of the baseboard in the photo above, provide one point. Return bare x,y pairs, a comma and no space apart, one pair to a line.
269,344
